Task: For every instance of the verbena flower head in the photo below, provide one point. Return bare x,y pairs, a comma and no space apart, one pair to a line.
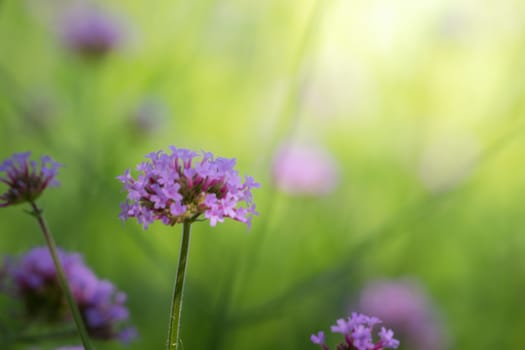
180,187
26,180
304,170
34,281
90,32
357,331
404,304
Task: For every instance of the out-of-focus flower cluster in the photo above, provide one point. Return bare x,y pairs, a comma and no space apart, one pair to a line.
171,188
149,116
305,170
90,32
32,279
403,304
357,331
25,179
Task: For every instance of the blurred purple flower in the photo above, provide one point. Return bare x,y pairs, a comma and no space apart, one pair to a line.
172,189
404,305
25,179
318,338
149,116
357,330
34,281
78,347
90,32
305,170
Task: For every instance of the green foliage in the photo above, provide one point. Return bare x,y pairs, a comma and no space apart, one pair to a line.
422,107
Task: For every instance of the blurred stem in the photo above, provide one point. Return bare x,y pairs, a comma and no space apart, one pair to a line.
37,213
291,108
176,305
290,112
38,337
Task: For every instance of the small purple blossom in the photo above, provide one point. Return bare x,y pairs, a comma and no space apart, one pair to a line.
319,339
34,281
90,32
357,330
175,188
342,326
26,180
387,338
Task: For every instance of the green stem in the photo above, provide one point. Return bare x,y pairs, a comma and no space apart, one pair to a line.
176,304
37,213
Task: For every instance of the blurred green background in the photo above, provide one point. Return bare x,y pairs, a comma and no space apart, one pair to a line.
421,103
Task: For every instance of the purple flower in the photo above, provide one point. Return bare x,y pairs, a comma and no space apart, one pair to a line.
404,305
35,283
357,331
78,347
90,32
25,179
175,188
304,170
387,338
319,339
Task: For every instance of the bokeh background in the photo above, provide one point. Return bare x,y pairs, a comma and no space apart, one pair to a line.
415,107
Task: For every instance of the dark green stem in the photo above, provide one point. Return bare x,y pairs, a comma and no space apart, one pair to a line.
176,304
37,213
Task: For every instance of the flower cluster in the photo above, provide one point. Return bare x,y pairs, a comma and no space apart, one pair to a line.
34,281
25,179
172,189
403,304
357,331
90,33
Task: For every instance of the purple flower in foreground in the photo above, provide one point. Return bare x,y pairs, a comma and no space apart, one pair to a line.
404,305
34,281
25,179
174,188
357,331
90,32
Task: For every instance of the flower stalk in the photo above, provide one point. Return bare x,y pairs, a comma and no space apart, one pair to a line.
178,289
37,213
176,304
